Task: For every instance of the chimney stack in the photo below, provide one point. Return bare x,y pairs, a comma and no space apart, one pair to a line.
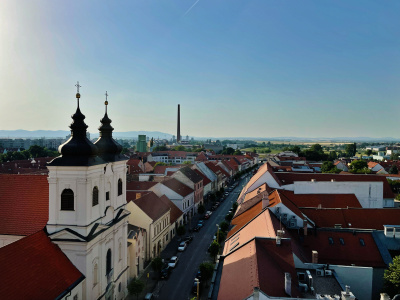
347,295
138,195
265,201
314,257
178,136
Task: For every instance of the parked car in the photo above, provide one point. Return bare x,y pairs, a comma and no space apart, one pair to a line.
148,296
182,246
198,275
226,193
165,272
200,222
209,213
188,239
206,216
173,261
197,228
194,287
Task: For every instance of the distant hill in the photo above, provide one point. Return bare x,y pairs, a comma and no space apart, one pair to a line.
162,135
62,134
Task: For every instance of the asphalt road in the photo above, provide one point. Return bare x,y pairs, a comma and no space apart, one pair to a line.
179,284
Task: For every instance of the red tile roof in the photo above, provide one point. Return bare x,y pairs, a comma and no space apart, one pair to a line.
35,268
139,185
205,178
178,187
258,263
152,205
352,252
289,178
24,203
365,218
175,212
325,200
241,220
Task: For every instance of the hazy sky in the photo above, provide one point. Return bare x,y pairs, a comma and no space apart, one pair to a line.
238,68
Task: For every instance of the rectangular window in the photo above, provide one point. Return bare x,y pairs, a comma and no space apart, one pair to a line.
107,195
76,297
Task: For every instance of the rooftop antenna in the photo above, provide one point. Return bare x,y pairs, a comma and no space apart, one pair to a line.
77,92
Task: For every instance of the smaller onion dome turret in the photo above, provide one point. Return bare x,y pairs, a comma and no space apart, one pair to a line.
109,149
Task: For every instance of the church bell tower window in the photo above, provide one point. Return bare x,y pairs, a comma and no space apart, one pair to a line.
119,187
95,196
67,199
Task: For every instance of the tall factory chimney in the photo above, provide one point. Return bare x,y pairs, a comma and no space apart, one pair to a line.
178,136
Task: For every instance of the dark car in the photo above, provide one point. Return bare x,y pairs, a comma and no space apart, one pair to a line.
188,239
206,216
165,272
213,208
197,228
194,287
198,275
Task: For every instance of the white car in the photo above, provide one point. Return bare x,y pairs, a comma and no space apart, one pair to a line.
173,261
209,213
182,246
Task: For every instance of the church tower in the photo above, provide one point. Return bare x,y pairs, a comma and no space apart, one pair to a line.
87,216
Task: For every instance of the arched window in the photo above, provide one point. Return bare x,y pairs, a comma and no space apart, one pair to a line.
108,263
95,274
119,187
67,199
120,251
95,196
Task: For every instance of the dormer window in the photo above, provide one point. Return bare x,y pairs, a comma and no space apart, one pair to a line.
67,199
330,241
119,187
95,196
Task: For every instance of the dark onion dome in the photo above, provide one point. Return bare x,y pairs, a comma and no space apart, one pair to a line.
78,150
109,149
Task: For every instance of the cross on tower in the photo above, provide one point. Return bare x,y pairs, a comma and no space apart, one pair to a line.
106,102
77,92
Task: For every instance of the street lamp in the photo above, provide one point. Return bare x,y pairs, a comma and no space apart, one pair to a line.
197,284
217,233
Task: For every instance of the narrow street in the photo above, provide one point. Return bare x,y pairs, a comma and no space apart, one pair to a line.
179,285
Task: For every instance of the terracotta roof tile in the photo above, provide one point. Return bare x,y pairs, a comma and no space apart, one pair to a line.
39,265
365,218
178,187
139,185
24,203
325,200
175,212
152,206
205,178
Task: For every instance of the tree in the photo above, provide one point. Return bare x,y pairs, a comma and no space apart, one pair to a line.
160,148
237,152
332,155
329,167
181,230
151,142
229,217
160,164
394,156
369,152
224,226
316,148
391,278
37,151
358,166
228,151
295,149
135,287
157,264
201,209
394,170
214,249
351,149
206,270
